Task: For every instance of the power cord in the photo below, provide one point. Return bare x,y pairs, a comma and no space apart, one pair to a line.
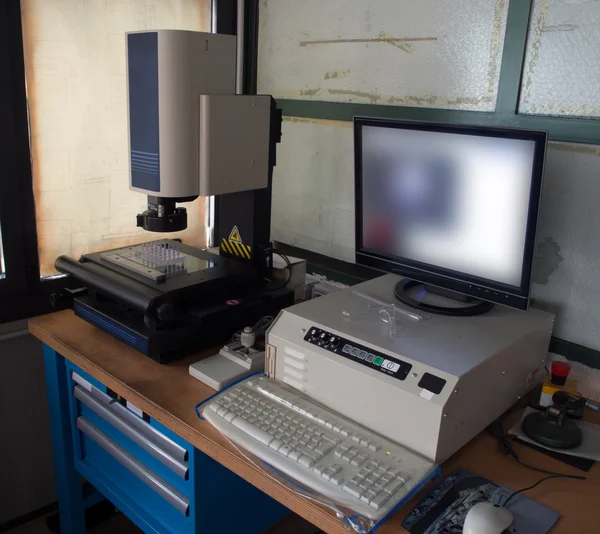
288,266
506,447
537,484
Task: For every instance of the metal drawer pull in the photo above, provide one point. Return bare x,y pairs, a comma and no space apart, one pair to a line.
150,447
166,444
165,490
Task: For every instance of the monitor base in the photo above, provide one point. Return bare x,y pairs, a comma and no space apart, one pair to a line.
401,292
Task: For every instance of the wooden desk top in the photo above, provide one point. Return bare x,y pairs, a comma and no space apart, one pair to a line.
169,394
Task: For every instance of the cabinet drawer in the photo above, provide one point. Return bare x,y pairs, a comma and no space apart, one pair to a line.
137,430
118,473
147,444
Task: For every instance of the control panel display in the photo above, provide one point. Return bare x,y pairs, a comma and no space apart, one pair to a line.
358,353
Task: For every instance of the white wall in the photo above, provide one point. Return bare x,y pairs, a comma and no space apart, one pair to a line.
313,208
26,466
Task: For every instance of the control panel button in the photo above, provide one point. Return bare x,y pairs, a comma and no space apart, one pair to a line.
390,366
338,345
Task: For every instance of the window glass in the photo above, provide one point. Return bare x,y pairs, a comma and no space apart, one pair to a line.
423,53
76,88
562,64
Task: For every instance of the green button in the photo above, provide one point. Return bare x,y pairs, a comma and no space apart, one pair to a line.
378,360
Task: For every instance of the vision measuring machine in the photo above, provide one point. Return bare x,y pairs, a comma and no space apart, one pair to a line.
190,135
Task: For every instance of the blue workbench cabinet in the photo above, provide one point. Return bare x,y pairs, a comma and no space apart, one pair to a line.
152,475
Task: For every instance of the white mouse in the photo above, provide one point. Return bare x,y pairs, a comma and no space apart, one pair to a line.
487,518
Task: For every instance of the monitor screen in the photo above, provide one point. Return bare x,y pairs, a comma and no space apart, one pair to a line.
455,203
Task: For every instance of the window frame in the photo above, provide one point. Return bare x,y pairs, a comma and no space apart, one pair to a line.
506,114
17,213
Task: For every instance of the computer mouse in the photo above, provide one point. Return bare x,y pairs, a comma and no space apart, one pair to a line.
487,518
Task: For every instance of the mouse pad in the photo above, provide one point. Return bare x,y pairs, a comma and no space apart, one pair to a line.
444,508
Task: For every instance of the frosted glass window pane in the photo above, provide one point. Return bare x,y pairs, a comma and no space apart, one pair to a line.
76,87
313,187
423,53
562,63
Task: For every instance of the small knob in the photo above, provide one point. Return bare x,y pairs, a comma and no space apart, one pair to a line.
248,337
165,312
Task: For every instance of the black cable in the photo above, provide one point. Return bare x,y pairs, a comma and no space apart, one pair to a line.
288,266
505,446
537,484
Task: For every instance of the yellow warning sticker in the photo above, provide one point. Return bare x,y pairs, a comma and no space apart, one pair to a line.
236,249
235,235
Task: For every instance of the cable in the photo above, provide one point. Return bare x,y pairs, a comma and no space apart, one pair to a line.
259,329
505,446
537,484
288,266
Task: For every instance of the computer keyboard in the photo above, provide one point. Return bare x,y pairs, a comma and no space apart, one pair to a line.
319,448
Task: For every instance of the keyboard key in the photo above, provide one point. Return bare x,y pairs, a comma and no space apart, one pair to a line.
230,417
344,432
338,453
336,428
327,474
215,407
336,468
222,411
368,496
309,452
356,438
306,461
252,430
276,444
353,489
374,446
336,480
393,486
319,469
364,442
324,447
379,501
295,455
285,450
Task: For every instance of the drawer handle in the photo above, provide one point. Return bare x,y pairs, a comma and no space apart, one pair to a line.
112,418
165,490
168,445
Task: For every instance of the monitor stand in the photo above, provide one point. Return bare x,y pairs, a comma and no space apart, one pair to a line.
451,303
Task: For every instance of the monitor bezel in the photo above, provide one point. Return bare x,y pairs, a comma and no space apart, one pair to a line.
474,286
